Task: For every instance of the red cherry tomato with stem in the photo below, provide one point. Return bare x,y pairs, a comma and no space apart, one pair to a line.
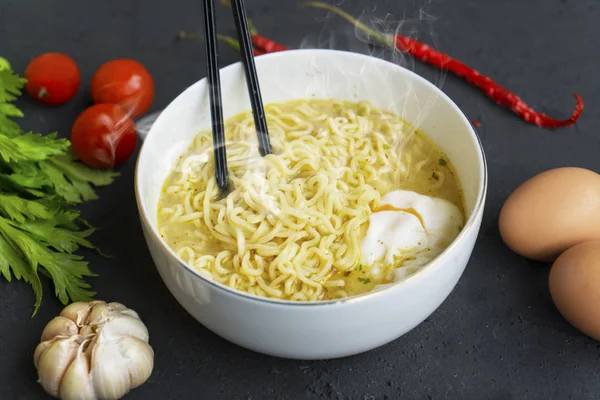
124,82
52,78
103,136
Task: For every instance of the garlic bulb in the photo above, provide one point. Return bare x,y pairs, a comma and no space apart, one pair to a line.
92,351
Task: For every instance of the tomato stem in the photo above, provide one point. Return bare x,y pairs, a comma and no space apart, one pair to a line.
42,93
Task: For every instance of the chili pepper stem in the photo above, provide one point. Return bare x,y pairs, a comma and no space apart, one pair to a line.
230,41
183,35
235,44
261,44
371,33
251,26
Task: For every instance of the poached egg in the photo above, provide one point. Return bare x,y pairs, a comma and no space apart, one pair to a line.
407,231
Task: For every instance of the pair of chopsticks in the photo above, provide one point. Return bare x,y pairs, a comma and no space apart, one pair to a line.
214,84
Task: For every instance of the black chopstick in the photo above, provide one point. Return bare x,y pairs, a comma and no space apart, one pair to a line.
214,88
241,25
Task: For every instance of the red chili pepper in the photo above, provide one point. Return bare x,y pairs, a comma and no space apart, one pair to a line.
475,123
440,60
268,45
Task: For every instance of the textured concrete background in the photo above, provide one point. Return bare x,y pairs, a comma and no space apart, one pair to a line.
497,336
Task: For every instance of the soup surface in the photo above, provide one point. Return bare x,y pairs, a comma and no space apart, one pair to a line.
307,222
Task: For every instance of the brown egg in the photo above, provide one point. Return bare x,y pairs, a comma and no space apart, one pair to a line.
575,287
552,212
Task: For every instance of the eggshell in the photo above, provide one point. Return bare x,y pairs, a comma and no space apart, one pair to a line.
552,212
575,287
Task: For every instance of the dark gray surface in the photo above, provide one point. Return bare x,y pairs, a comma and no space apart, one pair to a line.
497,336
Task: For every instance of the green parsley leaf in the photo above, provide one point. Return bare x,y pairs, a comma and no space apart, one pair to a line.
38,148
9,151
10,110
4,64
66,270
364,280
63,240
10,83
72,193
78,171
12,259
20,209
30,179
8,127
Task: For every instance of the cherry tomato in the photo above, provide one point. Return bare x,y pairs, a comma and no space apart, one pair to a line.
126,83
103,136
52,78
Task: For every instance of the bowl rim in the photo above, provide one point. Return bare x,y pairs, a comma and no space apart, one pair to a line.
469,225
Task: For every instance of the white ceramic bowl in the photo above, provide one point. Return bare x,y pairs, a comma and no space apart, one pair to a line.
328,329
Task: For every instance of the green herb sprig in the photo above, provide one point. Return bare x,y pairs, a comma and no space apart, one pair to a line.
39,180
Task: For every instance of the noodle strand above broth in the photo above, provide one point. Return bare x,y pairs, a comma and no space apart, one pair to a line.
292,226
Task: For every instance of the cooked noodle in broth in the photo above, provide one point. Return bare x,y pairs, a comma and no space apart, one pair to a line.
293,224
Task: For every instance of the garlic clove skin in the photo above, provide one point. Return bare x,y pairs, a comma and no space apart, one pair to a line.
120,364
54,361
78,311
98,313
88,330
59,326
131,313
39,350
114,306
122,324
76,384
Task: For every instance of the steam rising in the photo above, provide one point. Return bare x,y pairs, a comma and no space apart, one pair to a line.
144,124
336,33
